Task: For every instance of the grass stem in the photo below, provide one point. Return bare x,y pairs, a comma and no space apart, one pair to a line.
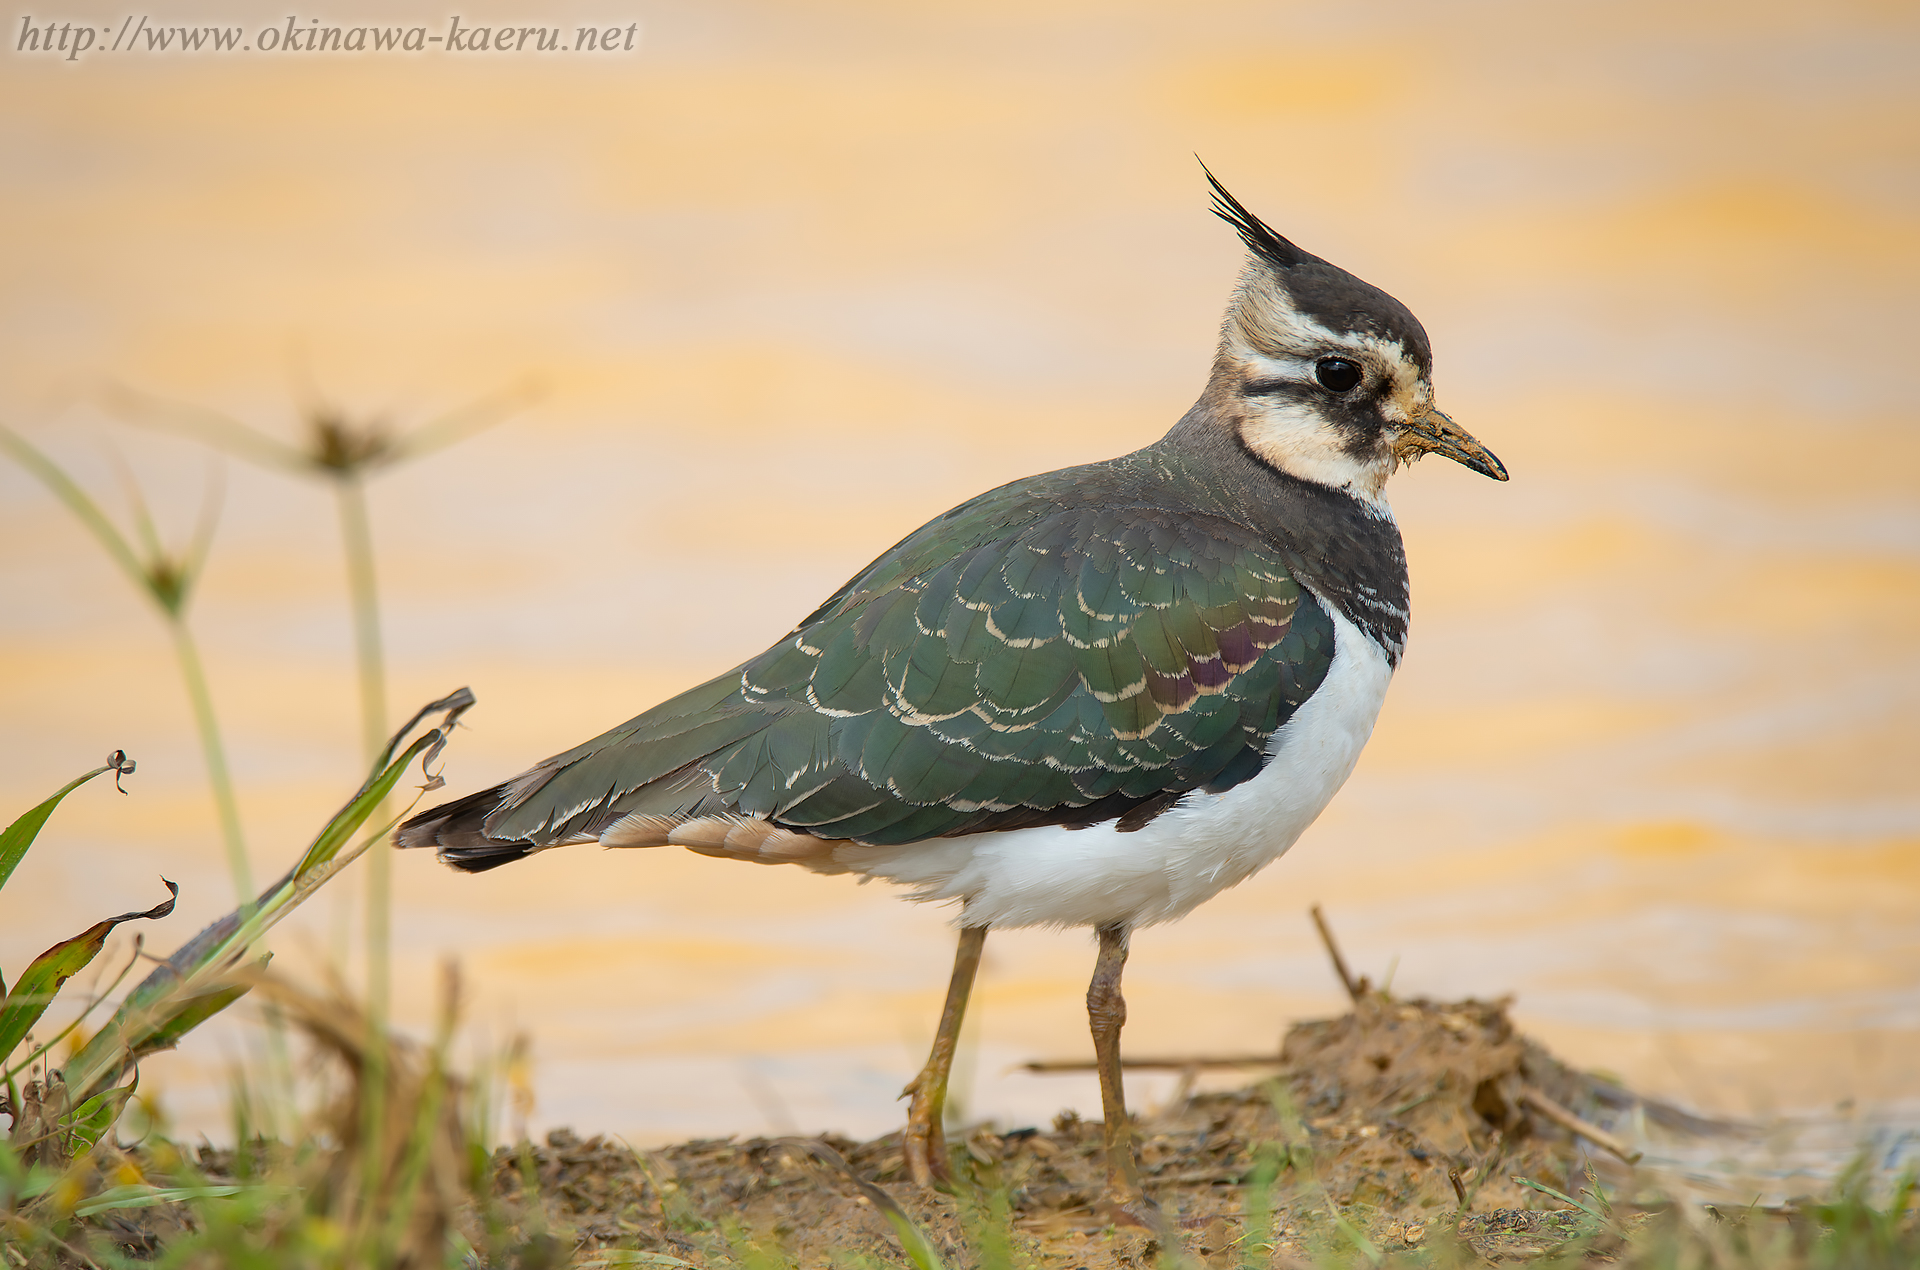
218,777
356,536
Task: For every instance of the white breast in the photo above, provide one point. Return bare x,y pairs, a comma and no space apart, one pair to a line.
1054,876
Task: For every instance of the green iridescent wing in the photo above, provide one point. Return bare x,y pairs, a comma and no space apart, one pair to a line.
1017,662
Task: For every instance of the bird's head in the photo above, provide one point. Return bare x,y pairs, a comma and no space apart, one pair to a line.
1324,376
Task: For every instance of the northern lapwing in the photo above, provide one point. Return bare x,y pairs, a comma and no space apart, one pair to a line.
1094,697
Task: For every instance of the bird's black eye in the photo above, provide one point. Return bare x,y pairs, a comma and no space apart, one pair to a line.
1336,374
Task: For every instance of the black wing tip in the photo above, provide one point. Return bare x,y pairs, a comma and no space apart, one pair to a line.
457,832
483,856
1261,238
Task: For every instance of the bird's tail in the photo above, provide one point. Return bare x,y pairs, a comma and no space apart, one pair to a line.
457,831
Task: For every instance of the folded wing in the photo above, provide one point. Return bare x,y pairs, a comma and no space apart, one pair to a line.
1004,667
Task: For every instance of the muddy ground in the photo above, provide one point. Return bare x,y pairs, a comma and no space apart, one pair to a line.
1360,1135
1404,1132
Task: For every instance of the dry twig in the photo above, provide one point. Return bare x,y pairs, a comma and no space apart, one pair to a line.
1574,1124
1356,988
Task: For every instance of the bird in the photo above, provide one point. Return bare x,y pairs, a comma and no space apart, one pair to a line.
1095,697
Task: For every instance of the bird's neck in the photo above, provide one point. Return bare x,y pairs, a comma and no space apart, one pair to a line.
1344,548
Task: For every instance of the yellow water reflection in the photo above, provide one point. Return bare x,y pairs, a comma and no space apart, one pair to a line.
801,278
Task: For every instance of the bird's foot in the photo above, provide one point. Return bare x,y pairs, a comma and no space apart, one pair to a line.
924,1144
927,1161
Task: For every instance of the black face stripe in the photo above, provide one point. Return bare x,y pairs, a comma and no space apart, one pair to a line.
1355,415
1297,390
1357,420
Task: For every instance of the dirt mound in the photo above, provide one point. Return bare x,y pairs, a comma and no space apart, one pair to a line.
1398,1125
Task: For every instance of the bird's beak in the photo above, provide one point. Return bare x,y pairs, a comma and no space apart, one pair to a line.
1434,433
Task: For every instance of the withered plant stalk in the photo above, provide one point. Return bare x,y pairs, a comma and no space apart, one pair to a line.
168,580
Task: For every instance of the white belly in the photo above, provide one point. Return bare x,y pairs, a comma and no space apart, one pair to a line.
1054,876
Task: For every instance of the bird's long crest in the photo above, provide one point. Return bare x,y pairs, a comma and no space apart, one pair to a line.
1260,237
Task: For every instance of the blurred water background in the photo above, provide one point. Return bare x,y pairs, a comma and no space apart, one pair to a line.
801,277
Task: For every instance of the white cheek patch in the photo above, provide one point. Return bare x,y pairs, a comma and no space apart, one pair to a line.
1268,340
1291,436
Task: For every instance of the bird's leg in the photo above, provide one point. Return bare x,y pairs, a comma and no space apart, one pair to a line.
925,1145
1126,1203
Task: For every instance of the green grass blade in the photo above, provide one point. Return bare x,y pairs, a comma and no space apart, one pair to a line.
195,1011
78,503
90,1121
18,1183
138,1196
1562,1196
465,421
20,834
198,546
1257,1240
143,526
356,538
1361,1244
196,982
38,1052
327,845
37,987
209,426
913,1241
213,751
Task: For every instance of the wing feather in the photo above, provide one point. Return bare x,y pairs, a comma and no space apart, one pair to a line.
1029,658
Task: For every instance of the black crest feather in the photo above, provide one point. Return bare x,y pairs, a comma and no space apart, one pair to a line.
1259,237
